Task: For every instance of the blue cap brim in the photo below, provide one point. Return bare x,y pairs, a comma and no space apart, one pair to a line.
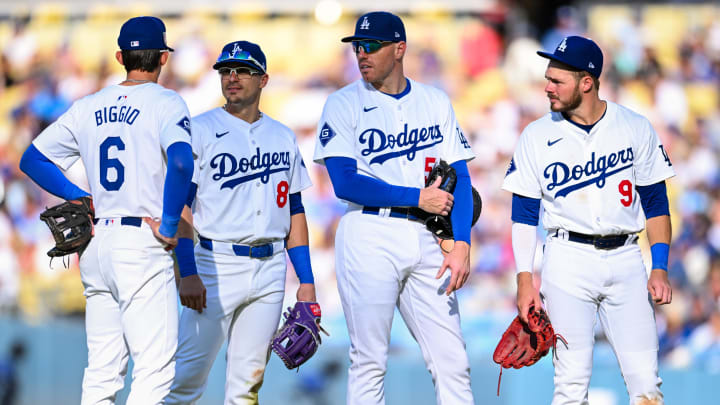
552,56
360,38
247,63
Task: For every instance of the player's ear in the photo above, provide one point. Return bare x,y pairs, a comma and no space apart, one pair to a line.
400,49
264,80
164,58
587,83
118,57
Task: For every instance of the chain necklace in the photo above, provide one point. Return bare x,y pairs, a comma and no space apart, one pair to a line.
136,81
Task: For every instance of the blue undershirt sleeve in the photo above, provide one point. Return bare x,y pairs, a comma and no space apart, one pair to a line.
461,215
191,194
525,210
177,184
296,205
43,171
654,200
364,190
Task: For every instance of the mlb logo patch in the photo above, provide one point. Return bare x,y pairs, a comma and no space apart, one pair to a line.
184,123
134,43
326,134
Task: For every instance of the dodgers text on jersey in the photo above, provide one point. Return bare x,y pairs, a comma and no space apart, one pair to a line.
560,174
416,139
267,163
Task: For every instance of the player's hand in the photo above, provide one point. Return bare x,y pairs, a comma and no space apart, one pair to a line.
527,296
434,200
306,292
192,293
168,243
458,261
659,287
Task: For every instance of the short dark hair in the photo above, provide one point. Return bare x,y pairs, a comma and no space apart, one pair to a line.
579,74
145,60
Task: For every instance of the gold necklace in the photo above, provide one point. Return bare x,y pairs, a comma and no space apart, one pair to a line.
136,81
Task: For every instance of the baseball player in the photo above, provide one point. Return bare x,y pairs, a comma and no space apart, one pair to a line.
134,141
246,208
378,138
595,167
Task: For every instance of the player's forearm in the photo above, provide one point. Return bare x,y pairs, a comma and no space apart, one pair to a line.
462,212
349,185
659,233
298,250
177,185
45,174
298,235
524,241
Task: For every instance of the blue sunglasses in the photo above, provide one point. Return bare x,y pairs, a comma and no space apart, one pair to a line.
242,55
369,45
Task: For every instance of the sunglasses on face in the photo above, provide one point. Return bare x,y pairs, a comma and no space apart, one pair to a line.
369,45
239,71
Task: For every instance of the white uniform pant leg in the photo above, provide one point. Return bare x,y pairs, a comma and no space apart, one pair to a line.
252,328
138,274
368,254
201,334
148,301
628,319
433,319
107,354
571,276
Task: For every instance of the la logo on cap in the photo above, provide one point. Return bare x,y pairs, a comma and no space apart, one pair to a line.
365,24
236,49
563,45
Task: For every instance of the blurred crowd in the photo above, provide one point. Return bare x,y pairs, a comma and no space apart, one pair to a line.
661,61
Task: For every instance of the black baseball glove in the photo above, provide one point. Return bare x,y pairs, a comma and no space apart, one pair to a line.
441,226
71,225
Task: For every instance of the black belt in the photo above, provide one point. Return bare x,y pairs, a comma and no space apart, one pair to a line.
411,214
600,242
258,252
131,221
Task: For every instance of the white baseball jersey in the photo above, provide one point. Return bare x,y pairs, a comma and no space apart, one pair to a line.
396,141
120,132
240,159
393,140
587,180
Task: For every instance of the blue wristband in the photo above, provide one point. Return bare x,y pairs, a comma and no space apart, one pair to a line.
300,259
660,252
185,253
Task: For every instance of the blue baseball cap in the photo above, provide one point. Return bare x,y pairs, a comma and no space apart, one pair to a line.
579,53
243,52
143,33
379,25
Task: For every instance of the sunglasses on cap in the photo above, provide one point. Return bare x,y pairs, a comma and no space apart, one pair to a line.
242,55
240,71
369,45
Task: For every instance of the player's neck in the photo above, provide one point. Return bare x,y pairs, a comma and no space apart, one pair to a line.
247,113
589,112
136,77
394,83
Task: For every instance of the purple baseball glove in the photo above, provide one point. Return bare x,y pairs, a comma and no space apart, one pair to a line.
299,337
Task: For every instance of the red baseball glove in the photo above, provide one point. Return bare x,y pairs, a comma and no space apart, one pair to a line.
523,344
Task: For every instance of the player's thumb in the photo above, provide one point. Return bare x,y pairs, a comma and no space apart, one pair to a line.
437,182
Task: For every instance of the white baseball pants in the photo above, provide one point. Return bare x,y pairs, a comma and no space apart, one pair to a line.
244,302
131,310
580,281
383,263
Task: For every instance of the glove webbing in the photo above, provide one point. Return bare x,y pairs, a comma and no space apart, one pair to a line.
555,339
